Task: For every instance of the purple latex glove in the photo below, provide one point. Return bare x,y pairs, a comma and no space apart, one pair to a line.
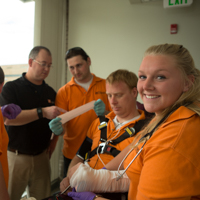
81,195
104,168
10,111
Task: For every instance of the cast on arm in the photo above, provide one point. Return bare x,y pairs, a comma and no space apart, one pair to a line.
78,158
87,179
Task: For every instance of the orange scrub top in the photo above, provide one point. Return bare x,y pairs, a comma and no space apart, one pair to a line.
71,96
169,165
94,133
3,149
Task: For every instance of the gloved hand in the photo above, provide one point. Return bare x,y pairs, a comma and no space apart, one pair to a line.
81,195
99,107
10,111
56,126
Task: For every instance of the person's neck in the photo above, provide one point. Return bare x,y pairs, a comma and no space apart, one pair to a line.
86,80
29,78
122,119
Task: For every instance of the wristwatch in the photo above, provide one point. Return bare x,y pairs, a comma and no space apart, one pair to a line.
39,112
97,197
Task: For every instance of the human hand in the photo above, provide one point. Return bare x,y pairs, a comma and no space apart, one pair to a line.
52,111
99,107
64,184
56,126
10,111
81,195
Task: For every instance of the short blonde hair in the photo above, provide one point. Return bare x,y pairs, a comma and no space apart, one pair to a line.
125,76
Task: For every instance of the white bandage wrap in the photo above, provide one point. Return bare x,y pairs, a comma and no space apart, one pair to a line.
76,112
87,179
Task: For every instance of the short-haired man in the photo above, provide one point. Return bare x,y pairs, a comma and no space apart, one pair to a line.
121,89
83,88
30,145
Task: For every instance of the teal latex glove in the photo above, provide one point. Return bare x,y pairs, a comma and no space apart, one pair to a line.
56,126
99,107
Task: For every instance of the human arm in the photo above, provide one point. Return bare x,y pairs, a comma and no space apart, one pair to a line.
74,161
27,116
85,178
78,158
115,162
65,182
4,193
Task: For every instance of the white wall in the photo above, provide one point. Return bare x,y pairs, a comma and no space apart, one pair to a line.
116,33
50,26
49,31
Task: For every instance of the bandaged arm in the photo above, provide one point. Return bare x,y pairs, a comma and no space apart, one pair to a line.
87,179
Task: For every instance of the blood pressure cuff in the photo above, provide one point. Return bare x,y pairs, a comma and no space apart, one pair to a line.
85,147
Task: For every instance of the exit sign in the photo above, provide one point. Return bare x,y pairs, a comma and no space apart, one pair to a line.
176,3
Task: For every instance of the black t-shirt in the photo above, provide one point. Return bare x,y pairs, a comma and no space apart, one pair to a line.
33,137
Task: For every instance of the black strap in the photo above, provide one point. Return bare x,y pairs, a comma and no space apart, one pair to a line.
129,132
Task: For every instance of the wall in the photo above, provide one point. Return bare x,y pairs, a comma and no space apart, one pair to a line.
49,31
116,33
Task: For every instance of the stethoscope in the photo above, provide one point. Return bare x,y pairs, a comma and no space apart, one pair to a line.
144,139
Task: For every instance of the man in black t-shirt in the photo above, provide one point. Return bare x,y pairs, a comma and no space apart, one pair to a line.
30,145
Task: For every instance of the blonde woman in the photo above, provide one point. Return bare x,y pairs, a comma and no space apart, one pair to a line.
164,161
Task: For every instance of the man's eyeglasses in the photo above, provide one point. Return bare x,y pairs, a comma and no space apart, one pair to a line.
42,64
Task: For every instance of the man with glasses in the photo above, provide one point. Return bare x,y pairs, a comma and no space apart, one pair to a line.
83,88
30,144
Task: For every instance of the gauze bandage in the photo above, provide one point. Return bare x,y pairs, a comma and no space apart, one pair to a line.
87,179
76,112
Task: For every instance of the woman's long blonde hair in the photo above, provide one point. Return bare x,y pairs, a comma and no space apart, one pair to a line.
185,62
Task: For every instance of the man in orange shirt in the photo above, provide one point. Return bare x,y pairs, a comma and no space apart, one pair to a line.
121,126
83,88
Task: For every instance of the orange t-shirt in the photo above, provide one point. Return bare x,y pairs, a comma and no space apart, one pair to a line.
169,165
3,149
71,96
94,133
